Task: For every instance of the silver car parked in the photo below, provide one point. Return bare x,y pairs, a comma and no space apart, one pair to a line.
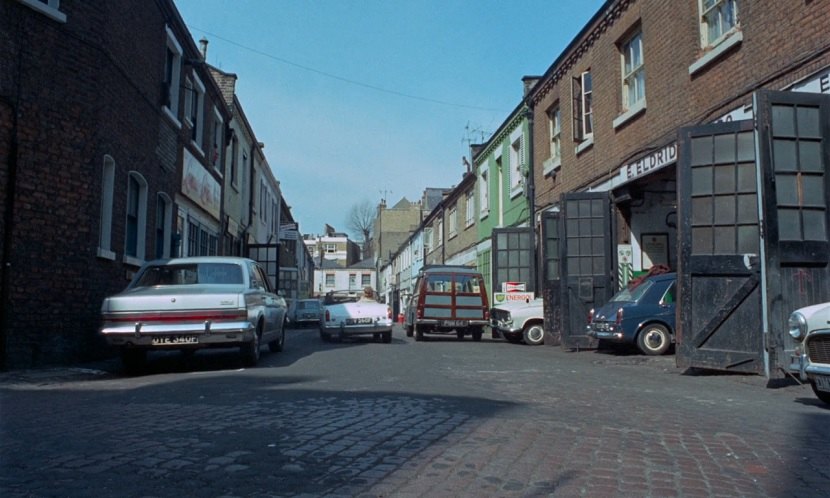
192,303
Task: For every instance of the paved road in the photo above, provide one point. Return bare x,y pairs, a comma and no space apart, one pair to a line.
436,418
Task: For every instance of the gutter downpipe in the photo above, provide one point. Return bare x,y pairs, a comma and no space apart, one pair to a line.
531,196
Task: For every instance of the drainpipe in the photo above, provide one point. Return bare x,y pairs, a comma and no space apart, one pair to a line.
531,197
8,231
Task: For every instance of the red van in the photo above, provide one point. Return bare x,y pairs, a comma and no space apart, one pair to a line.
448,299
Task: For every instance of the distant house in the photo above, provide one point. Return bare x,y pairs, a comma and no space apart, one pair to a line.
333,277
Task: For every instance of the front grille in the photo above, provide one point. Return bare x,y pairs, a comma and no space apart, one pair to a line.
499,315
818,348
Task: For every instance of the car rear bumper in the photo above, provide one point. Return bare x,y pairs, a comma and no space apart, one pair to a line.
201,334
342,329
606,332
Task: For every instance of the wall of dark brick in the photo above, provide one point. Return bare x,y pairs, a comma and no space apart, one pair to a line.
83,89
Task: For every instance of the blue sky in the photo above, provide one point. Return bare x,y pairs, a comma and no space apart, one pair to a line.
361,100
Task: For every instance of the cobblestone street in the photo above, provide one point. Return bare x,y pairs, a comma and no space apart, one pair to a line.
437,418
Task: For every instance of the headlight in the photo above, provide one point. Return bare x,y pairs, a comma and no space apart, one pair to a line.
798,326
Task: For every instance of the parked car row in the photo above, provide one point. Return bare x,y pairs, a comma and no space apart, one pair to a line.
207,302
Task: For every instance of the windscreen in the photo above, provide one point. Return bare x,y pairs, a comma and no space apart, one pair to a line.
631,295
190,274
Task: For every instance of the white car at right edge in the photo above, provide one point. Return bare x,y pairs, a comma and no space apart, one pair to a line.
810,326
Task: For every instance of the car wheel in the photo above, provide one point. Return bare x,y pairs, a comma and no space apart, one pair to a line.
654,339
325,336
459,334
134,360
512,338
250,351
823,396
387,337
477,333
534,334
419,334
278,345
410,331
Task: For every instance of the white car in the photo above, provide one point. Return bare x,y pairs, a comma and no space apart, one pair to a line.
347,314
520,320
810,326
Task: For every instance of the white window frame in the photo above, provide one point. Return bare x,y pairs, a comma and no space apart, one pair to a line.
427,240
726,39
554,162
632,69
141,221
328,276
172,110
516,162
471,208
330,248
714,19
49,8
107,197
440,231
452,221
484,192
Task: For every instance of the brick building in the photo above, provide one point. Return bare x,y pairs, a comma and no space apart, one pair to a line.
102,119
658,138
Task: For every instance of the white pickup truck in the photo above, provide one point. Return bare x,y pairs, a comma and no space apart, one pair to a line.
519,321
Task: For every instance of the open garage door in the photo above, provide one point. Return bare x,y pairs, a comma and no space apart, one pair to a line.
586,261
719,268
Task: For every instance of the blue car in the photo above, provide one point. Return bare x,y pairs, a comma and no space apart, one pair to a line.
642,314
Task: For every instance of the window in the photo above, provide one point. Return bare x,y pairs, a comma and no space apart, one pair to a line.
196,116
717,18
172,74
634,83
516,160
330,248
555,131
234,156
453,220
136,218
471,205
365,279
352,280
583,125
163,219
329,279
216,146
49,8
439,239
427,240
107,196
484,193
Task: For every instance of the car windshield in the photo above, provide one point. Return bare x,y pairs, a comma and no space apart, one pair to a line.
190,274
308,305
630,295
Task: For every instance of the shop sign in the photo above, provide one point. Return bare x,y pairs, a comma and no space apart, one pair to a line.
512,297
650,163
199,185
513,286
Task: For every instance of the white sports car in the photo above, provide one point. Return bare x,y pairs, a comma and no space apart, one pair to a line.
352,314
810,327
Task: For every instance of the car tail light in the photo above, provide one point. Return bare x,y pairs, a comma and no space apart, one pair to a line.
328,316
388,312
486,313
619,316
591,316
419,312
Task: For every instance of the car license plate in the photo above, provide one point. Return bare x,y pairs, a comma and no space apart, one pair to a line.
452,323
174,339
823,383
359,321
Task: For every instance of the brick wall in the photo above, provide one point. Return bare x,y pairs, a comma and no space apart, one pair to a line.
782,42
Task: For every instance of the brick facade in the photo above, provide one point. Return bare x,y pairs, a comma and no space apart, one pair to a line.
80,91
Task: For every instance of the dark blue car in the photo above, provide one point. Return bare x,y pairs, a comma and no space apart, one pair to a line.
641,315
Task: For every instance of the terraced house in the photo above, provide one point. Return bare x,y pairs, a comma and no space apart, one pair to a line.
692,134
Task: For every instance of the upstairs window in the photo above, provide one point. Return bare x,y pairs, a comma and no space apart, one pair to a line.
172,76
583,122
484,193
439,239
196,118
471,206
217,144
164,213
717,18
516,160
136,225
453,220
555,131
634,74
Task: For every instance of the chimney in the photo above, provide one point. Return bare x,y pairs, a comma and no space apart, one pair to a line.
529,82
204,43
